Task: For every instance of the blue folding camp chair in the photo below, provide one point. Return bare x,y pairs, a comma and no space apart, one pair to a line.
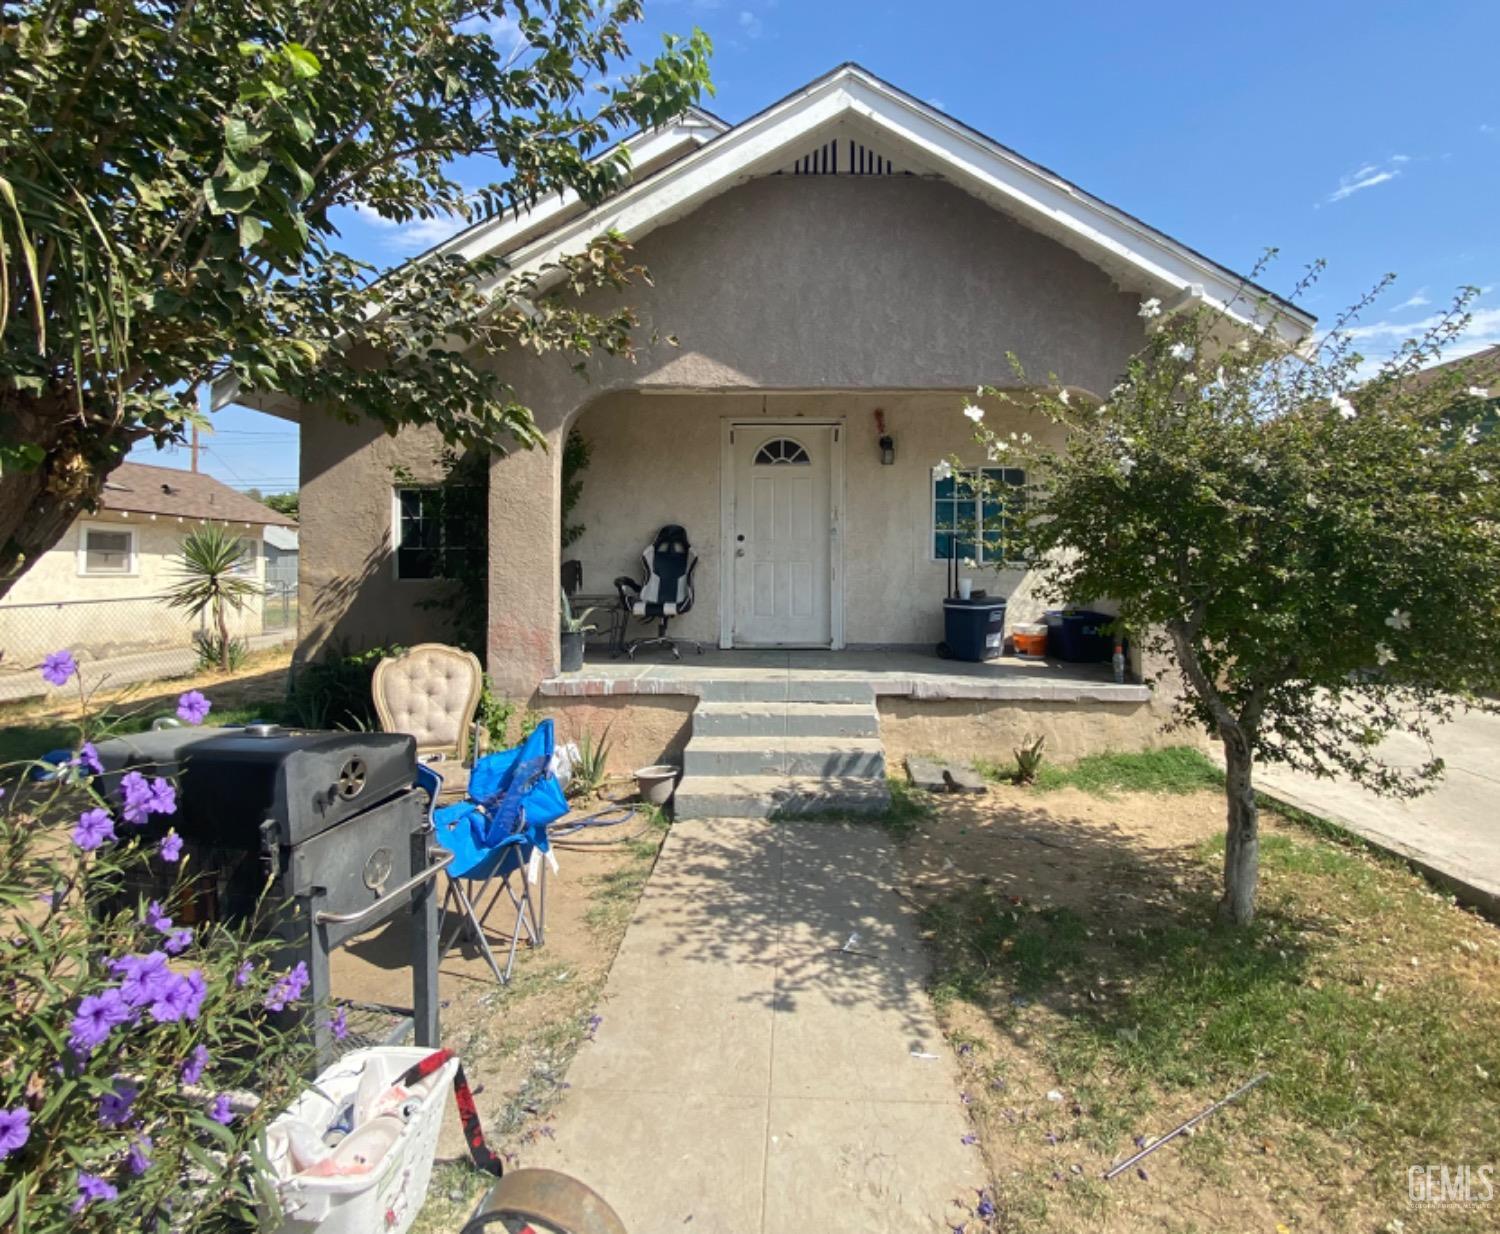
496,834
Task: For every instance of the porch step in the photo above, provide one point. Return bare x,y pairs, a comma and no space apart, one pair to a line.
766,719
763,796
789,756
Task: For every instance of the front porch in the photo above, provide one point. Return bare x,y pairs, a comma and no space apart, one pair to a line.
760,731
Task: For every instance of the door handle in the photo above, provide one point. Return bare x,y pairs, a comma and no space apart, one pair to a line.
739,552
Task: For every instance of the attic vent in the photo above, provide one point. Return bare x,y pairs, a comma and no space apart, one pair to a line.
168,490
843,158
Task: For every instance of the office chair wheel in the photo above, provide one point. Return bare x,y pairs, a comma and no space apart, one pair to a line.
543,1202
676,655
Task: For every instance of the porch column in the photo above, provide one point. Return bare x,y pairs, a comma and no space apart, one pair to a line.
524,562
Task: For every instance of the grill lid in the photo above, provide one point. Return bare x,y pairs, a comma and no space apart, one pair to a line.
229,780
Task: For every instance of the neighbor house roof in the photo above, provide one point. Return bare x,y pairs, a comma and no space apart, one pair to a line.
1482,369
144,489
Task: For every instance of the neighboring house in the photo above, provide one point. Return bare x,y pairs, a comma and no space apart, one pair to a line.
99,590
848,251
280,543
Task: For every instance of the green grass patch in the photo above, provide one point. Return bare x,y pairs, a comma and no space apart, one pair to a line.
1175,769
27,740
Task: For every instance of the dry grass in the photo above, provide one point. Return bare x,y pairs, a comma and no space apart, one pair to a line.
1076,956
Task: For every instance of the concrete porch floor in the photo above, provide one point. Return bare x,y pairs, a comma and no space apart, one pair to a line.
912,673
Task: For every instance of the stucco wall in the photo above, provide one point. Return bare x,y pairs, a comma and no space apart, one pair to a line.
53,605
640,731
347,585
657,459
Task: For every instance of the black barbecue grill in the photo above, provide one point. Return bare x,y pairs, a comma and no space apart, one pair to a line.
335,819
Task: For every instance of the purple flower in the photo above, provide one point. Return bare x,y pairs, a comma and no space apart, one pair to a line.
242,974
192,1070
163,797
96,1018
193,708
138,1156
89,757
180,999
95,827
58,667
156,917
338,1024
971,1138
220,1111
178,941
171,846
146,977
288,989
135,791
15,1130
986,1206
90,1188
114,1106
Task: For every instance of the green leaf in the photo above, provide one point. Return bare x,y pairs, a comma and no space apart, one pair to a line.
249,47
239,136
246,173
304,63
250,231
222,199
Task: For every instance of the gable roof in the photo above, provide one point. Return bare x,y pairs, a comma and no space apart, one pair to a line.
145,489
1137,256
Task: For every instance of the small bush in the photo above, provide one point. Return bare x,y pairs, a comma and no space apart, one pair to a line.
215,654
334,690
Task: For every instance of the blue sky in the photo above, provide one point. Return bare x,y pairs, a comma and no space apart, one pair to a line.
1367,134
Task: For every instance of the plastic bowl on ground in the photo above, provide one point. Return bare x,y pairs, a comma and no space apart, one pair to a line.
656,783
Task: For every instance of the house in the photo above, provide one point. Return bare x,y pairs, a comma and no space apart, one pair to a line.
844,266
99,590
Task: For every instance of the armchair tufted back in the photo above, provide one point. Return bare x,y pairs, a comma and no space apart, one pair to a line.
430,691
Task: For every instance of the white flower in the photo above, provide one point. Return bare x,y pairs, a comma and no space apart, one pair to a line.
1151,308
1344,407
943,470
1062,397
1484,476
1399,619
978,391
1180,351
1471,435
1127,465
1025,439
1383,654
1242,346
1255,462
1312,501
1477,392
1190,379
970,563
974,413
996,448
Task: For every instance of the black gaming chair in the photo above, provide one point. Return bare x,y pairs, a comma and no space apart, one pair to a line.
666,590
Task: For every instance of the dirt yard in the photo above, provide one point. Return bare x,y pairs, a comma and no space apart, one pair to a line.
515,1041
1094,1006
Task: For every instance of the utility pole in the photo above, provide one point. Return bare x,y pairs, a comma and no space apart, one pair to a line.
195,448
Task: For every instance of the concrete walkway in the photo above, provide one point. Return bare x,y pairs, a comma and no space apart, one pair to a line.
745,1075
1452,831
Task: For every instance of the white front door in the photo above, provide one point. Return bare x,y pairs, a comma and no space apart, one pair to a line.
782,526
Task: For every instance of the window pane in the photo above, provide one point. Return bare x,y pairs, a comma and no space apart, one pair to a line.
107,552
416,563
943,489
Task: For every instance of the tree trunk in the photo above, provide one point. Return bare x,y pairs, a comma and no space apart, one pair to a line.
37,506
223,635
1242,841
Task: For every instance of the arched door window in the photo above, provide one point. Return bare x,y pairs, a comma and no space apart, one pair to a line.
780,452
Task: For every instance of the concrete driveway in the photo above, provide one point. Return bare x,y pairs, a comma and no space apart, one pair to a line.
1453,831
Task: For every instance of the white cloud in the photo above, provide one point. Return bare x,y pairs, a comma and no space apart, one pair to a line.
1367,177
750,24
1378,339
1415,300
415,236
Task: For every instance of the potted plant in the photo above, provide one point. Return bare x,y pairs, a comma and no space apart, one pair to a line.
574,633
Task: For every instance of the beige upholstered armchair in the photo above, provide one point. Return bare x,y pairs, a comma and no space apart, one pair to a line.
432,692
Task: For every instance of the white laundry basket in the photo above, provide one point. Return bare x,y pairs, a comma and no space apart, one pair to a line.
387,1198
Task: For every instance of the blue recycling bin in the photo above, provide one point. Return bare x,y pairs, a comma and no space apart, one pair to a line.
974,629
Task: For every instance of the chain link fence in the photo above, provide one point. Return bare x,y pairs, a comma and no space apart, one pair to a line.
119,642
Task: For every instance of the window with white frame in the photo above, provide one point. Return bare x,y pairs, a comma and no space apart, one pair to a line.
245,564
974,520
106,550
437,531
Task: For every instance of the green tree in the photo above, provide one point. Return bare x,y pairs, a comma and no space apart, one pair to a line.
169,176
1314,549
208,582
284,503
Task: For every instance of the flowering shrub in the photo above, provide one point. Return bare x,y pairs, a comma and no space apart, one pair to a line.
1307,538
139,1054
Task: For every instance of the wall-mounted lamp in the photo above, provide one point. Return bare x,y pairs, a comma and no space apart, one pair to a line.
887,443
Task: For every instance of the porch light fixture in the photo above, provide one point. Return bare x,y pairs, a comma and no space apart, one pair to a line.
887,443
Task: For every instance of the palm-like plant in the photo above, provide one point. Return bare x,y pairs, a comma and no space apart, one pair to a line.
207,580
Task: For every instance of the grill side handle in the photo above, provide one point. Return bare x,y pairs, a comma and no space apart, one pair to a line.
396,893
